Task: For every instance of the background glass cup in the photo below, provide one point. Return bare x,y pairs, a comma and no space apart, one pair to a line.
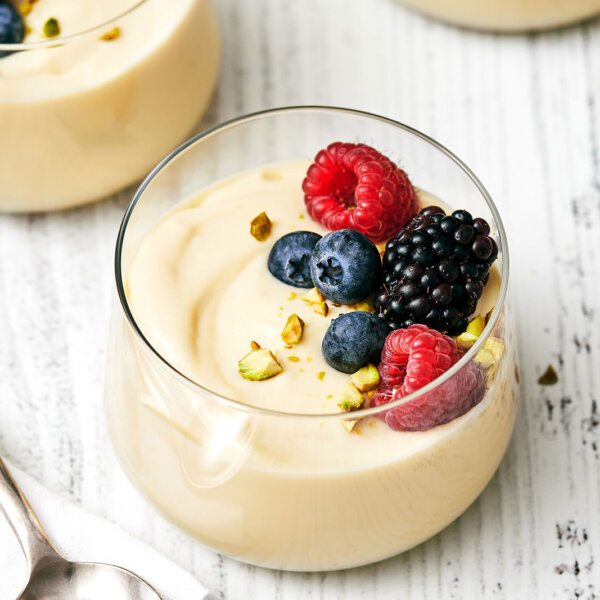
84,116
230,474
508,15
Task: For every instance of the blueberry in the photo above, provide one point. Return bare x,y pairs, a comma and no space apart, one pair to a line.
12,29
345,266
289,259
353,340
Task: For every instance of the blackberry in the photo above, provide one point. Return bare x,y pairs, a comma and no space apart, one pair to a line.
435,270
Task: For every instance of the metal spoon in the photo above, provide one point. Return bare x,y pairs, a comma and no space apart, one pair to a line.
52,577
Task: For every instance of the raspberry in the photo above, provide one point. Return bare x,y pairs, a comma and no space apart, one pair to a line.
352,186
412,358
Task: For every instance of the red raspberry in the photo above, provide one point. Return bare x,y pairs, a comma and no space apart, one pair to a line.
352,186
414,357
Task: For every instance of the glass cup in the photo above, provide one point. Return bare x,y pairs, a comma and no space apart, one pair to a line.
508,15
297,491
92,111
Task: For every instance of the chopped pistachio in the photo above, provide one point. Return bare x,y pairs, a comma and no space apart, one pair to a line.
258,365
254,345
350,424
260,227
366,379
496,346
293,358
51,28
485,358
321,308
27,6
351,399
489,357
365,305
313,297
301,216
465,341
321,375
476,326
488,316
291,295
110,35
292,332
550,376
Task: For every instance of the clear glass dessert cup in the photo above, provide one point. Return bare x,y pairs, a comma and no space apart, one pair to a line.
89,112
509,15
285,490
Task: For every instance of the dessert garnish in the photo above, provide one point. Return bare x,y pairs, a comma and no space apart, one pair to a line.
12,28
366,379
260,227
365,305
321,375
292,332
549,377
345,266
254,345
26,7
489,356
352,186
259,364
315,299
51,28
435,270
111,34
354,340
474,329
351,399
289,259
413,358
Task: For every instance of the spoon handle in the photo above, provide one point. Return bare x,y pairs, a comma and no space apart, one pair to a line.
23,521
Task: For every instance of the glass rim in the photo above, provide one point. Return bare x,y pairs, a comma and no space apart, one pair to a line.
259,411
55,42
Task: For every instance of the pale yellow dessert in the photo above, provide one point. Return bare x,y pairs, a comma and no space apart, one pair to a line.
283,491
95,111
509,15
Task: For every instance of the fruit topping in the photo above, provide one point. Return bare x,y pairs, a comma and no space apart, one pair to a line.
345,266
352,186
413,358
260,227
366,379
289,259
292,332
354,340
259,364
435,270
351,399
12,28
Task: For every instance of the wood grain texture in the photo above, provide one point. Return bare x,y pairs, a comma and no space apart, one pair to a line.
524,113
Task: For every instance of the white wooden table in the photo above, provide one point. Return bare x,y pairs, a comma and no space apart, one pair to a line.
524,113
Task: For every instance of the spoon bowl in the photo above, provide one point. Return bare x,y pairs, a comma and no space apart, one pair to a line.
52,577
85,581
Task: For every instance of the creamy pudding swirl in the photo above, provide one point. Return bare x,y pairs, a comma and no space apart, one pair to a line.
89,114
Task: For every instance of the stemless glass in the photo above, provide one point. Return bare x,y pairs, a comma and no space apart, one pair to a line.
509,15
287,490
90,112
